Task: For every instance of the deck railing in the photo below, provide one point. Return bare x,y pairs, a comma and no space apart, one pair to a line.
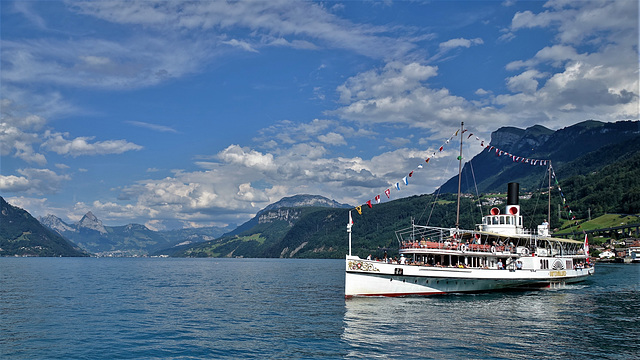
446,245
434,238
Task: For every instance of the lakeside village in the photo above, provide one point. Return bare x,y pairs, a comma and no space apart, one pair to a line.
619,251
619,246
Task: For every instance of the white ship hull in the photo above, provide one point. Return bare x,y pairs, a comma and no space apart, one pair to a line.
375,278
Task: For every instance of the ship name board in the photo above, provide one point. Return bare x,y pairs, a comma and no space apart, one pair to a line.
558,273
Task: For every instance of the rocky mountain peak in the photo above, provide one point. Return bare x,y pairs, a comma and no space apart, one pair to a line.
55,223
136,227
289,215
304,201
506,136
511,138
90,221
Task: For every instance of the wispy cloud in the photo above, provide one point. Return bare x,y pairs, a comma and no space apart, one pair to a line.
285,18
154,127
240,44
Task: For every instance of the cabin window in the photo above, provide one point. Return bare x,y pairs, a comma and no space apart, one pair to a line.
501,220
519,220
508,220
495,220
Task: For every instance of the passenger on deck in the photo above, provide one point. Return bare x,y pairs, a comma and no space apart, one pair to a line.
369,257
500,267
519,265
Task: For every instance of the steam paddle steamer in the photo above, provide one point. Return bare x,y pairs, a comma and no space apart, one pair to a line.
498,254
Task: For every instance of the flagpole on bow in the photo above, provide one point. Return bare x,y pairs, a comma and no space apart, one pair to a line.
349,225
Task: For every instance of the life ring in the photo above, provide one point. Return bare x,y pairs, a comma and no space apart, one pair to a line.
463,247
493,249
524,251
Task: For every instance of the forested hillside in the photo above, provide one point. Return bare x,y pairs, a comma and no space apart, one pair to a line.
612,189
22,235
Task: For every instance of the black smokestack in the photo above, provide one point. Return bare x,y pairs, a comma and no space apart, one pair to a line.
513,193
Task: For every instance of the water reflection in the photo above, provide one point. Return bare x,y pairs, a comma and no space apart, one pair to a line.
538,324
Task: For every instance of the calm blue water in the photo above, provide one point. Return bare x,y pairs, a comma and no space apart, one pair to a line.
92,308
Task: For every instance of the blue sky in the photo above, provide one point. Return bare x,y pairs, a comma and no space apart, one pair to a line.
186,114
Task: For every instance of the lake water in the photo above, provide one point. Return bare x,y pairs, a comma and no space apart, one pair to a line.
97,308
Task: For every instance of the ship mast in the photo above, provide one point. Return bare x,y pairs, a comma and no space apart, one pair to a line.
459,177
549,207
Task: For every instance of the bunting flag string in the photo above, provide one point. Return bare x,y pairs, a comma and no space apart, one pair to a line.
564,199
489,148
515,158
405,180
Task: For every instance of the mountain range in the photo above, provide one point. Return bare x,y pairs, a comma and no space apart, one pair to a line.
597,164
263,235
137,240
129,240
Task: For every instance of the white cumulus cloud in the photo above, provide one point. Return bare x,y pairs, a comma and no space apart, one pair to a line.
58,143
460,42
236,154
